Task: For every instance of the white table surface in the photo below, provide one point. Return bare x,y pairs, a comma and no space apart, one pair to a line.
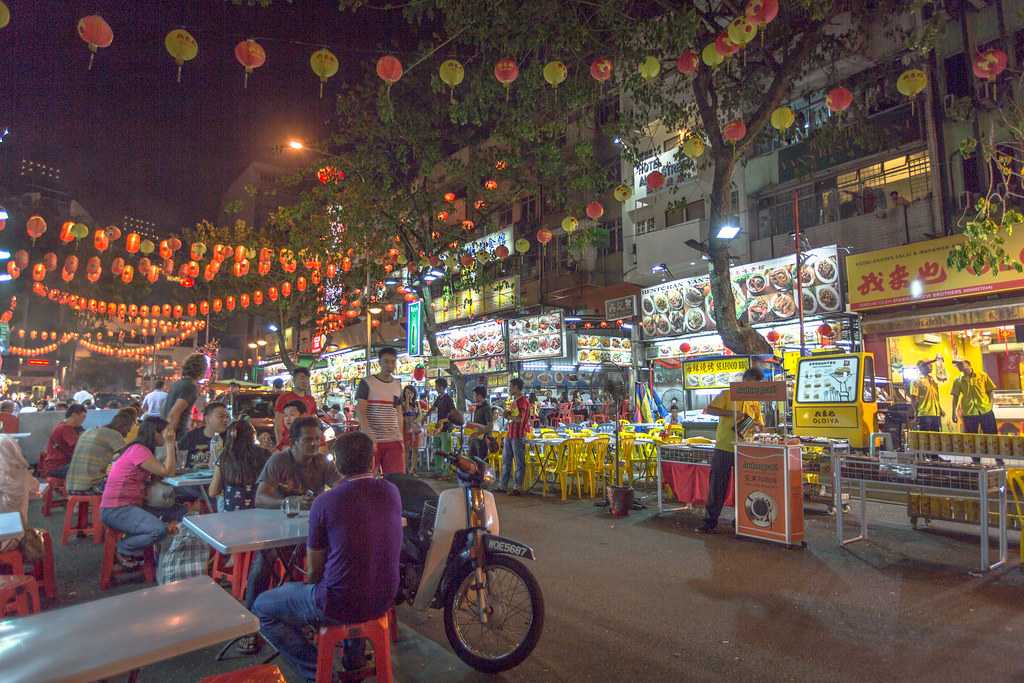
196,478
10,527
111,636
244,530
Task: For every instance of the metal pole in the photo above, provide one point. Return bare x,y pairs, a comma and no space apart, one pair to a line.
799,287
369,324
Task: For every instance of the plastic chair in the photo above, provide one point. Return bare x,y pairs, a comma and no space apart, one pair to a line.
565,414
236,575
591,463
19,596
42,571
565,466
261,673
625,458
109,569
377,631
83,523
56,495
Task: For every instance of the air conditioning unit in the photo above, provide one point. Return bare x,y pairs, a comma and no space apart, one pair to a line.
927,339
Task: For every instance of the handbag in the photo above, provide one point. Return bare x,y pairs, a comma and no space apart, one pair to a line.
187,556
159,495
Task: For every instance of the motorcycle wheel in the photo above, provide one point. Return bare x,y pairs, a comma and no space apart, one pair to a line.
515,603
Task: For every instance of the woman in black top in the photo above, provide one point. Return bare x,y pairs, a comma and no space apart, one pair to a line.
238,467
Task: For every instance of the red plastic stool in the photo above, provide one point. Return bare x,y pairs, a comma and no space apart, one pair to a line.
83,524
263,673
237,574
44,571
19,595
52,498
110,569
376,631
393,625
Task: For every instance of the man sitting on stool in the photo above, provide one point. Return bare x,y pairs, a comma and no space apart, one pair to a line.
355,536
734,419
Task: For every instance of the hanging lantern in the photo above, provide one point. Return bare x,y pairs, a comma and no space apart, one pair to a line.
13,270
147,247
725,46
838,99
251,56
741,31
655,180
595,210
218,305
96,33
693,147
762,12
169,267
243,299
300,284
164,249
132,242
389,70
65,235
409,297
989,64
734,131
204,307
570,224
501,252
687,62
544,236
191,309
182,47
452,73
911,82
38,272
100,240
257,297
152,274
197,251
229,302
555,73
178,311
21,258
601,69
71,264
272,293
175,244
622,193
50,261
825,330
782,118
522,245
710,55
5,19
324,64
35,227
773,336
649,68
127,274
506,71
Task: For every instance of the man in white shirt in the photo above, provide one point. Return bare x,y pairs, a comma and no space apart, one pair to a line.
379,409
154,401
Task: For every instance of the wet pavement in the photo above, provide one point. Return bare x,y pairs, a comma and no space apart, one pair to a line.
645,598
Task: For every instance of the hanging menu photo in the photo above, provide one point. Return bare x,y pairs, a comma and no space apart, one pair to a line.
472,341
537,336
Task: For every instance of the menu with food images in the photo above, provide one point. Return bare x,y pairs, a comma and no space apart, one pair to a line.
827,380
717,373
472,341
537,336
592,348
765,292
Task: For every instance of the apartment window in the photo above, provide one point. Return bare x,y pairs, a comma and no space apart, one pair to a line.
958,77
614,236
530,209
644,227
675,215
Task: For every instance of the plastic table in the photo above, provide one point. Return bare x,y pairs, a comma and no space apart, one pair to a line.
121,634
243,531
199,479
10,526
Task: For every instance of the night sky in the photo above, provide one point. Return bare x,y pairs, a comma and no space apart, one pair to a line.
129,138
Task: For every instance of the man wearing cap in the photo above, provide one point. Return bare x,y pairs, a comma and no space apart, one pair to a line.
972,390
924,395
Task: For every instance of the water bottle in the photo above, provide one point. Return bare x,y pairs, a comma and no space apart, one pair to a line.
216,446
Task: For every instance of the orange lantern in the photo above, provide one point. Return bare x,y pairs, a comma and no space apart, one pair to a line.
544,236
164,250
168,266
241,268
50,261
251,56
272,293
167,310
218,305
286,289
257,297
96,33
177,311
127,274
132,242
144,311
117,265
229,302
300,284
21,258
35,227
38,272
144,264
204,307
243,299
192,310
152,274
838,99
66,276
71,264
100,240
13,270
65,231
193,269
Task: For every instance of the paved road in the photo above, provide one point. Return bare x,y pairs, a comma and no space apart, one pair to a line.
646,599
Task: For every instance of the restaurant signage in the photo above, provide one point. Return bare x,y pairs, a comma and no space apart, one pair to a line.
769,493
491,242
623,307
757,391
414,328
765,293
918,272
718,373
594,349
673,164
468,303
538,336
472,341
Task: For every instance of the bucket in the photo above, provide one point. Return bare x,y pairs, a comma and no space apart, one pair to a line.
620,500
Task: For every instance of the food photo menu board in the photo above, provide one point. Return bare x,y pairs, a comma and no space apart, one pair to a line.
591,349
472,341
827,380
536,336
765,292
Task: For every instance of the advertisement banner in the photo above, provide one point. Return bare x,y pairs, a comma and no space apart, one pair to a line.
918,272
470,303
472,341
414,328
769,494
713,374
765,292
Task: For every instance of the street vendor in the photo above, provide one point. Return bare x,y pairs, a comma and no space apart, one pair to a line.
735,419
924,396
973,390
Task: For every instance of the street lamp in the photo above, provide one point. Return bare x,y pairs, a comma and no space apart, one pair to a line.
300,146
261,342
272,327
728,232
296,144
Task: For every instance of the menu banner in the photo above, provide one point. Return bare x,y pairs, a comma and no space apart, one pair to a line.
765,292
918,272
592,348
537,336
714,374
472,341
470,303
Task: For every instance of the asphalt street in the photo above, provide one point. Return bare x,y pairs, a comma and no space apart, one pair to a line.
644,598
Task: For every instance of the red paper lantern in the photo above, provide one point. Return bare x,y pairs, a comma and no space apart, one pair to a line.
197,251
192,310
762,11
127,274
168,267
251,56
204,307
38,272
825,330
229,302
21,258
152,274
65,232
601,69
96,33
838,99
449,197
257,297
506,71
466,260
35,227
374,323
419,373
389,69
351,314
71,263
218,305
501,251
272,293
655,180
544,236
724,46
595,210
178,310
244,299
50,261
989,64
100,240
13,270
409,297
468,225
132,242
734,131
300,284
685,347
286,289
687,62
164,249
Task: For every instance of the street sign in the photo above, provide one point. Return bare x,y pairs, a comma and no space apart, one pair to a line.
414,328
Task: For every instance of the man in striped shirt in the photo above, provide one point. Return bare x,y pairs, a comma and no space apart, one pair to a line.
379,410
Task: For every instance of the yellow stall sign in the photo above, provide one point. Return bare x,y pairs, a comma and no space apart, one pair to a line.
471,303
714,374
918,272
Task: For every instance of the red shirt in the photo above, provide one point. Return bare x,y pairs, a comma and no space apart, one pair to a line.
59,448
10,423
519,424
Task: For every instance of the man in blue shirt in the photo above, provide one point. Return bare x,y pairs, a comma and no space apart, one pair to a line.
355,537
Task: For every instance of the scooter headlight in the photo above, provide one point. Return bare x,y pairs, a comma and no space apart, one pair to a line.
478,509
488,476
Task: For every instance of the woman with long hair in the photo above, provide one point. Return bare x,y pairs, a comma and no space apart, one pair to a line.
412,426
125,491
239,465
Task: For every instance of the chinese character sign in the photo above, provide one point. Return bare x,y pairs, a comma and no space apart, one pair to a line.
918,272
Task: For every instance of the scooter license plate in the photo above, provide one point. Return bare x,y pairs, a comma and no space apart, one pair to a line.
504,546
